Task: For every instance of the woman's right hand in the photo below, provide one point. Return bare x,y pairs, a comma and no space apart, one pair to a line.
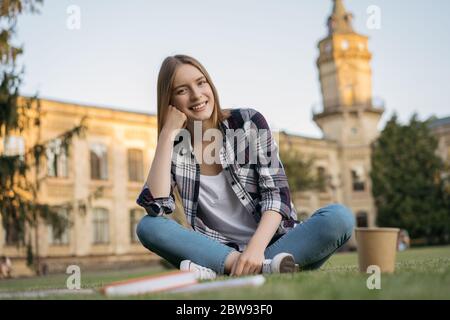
175,120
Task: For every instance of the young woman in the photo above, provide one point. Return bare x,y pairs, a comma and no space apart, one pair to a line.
236,199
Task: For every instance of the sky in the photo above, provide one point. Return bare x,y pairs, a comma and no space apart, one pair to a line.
260,53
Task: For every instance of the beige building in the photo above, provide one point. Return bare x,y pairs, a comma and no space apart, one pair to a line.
96,184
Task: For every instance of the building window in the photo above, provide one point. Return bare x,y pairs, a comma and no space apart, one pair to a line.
56,159
63,237
100,224
11,232
14,146
345,45
361,219
358,179
135,216
135,165
99,162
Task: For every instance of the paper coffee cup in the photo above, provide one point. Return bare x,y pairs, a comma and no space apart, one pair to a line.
377,246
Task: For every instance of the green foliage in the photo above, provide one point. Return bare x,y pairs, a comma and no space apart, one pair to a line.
11,79
20,178
300,171
407,181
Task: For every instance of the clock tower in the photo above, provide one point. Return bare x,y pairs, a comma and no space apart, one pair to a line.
349,114
346,80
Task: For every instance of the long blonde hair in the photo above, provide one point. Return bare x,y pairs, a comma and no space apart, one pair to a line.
165,85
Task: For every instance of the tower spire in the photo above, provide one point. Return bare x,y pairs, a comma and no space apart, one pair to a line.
340,20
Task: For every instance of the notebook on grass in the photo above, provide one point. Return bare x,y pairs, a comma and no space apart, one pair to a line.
149,284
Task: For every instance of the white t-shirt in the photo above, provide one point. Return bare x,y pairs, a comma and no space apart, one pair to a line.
222,211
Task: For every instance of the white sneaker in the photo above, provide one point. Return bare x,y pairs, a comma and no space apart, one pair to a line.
281,263
202,273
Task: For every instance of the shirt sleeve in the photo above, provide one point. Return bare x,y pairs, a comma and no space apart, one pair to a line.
273,183
157,206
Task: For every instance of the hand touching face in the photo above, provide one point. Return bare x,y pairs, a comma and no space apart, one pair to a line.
175,119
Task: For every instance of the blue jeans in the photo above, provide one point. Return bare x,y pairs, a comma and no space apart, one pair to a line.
311,242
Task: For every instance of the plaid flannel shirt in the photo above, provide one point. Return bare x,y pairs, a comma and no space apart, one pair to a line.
260,185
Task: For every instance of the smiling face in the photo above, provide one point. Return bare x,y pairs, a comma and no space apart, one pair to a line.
192,93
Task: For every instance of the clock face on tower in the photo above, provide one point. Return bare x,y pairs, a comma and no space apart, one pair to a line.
344,44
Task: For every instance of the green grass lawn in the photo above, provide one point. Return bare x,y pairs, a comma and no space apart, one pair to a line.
422,273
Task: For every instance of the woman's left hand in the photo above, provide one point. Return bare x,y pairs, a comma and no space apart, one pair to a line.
249,262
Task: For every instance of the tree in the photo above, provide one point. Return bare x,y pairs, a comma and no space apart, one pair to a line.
20,175
300,171
409,182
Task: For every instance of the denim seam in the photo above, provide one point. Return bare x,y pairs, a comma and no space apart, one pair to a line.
275,245
222,261
310,262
